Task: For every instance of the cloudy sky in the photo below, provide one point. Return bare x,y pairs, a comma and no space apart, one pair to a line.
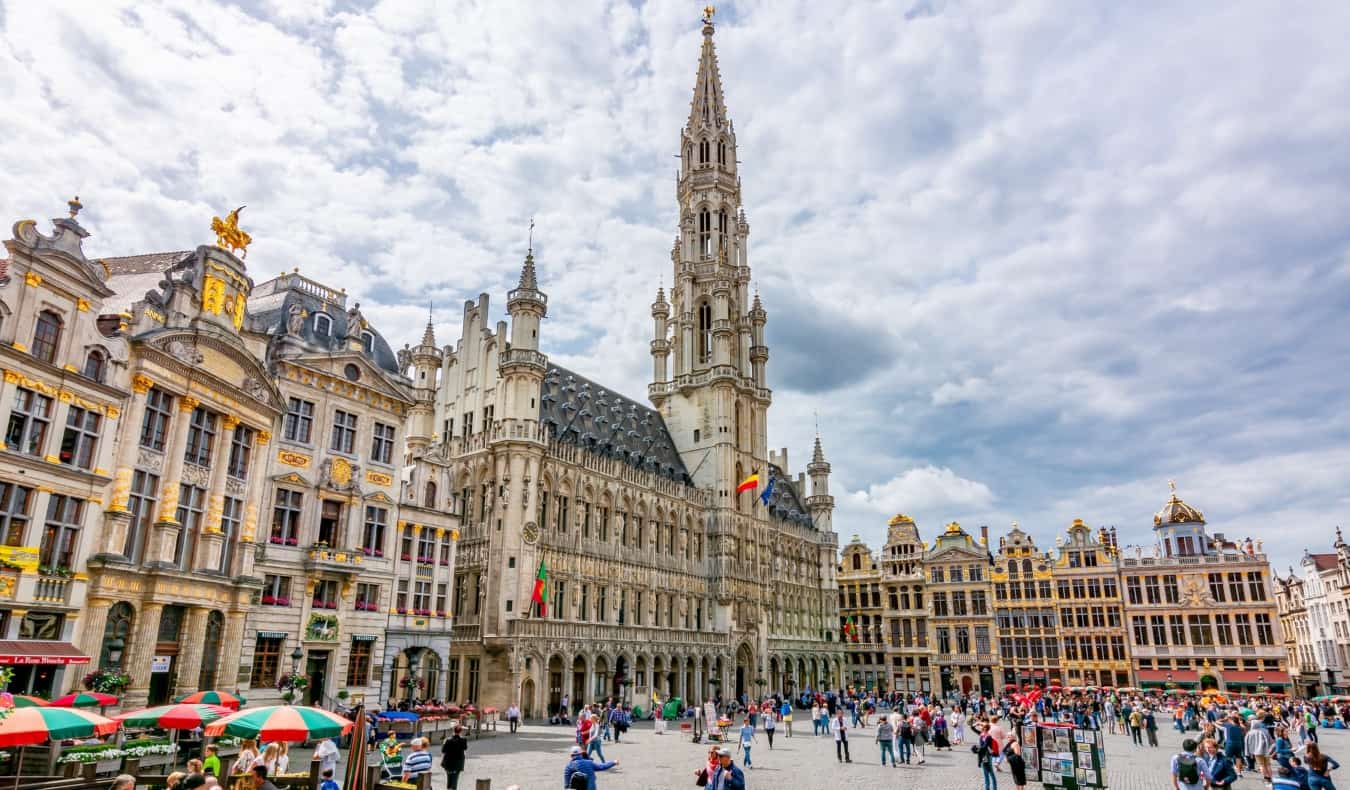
1027,260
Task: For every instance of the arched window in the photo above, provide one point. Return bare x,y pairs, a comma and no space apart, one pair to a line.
1026,567
740,475
368,342
323,325
721,152
46,335
704,332
705,232
117,635
215,632
704,152
857,562
429,497
96,365
1012,568
688,156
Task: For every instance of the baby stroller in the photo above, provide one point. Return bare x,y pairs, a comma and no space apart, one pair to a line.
391,763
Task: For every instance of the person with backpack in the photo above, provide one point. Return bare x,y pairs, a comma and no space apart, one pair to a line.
984,750
905,739
1186,768
1136,722
580,771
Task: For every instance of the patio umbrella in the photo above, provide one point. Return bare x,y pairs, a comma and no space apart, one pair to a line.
24,701
222,698
174,717
281,723
27,726
85,699
356,757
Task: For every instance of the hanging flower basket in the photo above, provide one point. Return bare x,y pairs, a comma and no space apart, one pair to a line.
292,682
106,681
410,683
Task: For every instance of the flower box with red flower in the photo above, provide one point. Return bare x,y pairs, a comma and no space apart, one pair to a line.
424,612
366,551
402,610
283,602
269,600
440,613
379,552
427,560
292,541
405,557
330,605
277,539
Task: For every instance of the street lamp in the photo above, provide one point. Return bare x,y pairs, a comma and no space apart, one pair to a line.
296,655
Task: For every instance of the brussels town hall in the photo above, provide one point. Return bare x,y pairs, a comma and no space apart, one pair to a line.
660,578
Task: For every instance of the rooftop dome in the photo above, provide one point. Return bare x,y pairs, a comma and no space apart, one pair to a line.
1176,511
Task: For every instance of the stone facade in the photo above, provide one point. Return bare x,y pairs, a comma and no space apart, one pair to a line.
1091,611
1316,623
661,579
1201,608
958,570
861,612
65,382
907,616
1024,611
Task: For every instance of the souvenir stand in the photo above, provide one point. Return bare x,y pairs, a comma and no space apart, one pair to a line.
1064,757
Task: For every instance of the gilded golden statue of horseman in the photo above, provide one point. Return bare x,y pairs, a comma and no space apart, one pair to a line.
228,235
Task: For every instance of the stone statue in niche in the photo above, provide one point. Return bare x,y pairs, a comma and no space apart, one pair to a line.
295,319
184,353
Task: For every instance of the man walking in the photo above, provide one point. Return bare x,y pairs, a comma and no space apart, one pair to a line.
513,717
452,757
840,731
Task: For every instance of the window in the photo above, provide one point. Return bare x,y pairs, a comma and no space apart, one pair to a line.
344,432
325,594
956,575
382,443
367,598
61,532
1244,628
80,439
241,450
286,518
560,600
14,501
406,544
1133,591
46,336
358,661
938,574
1178,627
155,424
1159,628
96,365
201,435
1216,587
1223,625
1200,631
372,536
1257,585
704,331
330,522
426,546
141,502
422,598
276,590
461,591
28,422
299,420
352,372
323,325
368,341
231,520
962,639
940,604
445,550
602,605
401,597
1151,586
473,680
266,659
1235,588
442,595
452,679
1170,591
1264,634
1140,628
191,506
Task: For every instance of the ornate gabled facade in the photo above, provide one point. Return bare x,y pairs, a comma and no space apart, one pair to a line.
1298,646
1024,611
660,578
861,627
958,588
909,647
1201,608
65,380
173,574
1091,613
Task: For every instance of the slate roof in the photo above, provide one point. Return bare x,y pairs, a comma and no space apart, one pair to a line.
270,304
579,411
143,264
131,276
784,501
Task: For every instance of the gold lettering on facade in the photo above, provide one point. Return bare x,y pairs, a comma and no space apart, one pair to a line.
290,458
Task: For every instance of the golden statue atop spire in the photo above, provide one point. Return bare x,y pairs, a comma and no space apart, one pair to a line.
708,12
228,235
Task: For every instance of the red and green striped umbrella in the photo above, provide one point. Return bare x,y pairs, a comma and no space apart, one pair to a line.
174,717
23,701
356,758
281,723
222,698
27,726
85,699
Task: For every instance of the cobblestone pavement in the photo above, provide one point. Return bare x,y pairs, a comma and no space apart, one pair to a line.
534,759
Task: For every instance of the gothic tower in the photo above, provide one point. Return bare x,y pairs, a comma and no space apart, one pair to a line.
708,351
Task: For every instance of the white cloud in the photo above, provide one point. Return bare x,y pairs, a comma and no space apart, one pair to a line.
925,489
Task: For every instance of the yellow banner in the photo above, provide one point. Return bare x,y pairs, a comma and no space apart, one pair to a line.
23,557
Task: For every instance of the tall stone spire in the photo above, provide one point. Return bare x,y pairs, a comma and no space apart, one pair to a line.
528,281
707,110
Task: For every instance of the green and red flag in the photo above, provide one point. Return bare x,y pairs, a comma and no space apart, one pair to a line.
540,594
850,630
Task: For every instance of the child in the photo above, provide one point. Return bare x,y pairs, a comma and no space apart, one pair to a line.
328,783
211,765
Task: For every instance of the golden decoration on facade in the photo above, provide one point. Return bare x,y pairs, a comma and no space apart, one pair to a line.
290,458
953,528
264,437
188,403
82,305
32,279
228,235
708,11
379,478
898,519
213,294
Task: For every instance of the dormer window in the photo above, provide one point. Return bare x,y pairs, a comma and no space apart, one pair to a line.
96,365
323,325
46,335
368,342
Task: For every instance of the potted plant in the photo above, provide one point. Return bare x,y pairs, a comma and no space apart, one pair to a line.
106,681
343,694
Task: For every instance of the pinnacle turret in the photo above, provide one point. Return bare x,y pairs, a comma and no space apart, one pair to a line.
528,280
818,455
708,107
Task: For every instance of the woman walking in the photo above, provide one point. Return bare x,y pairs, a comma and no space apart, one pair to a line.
984,755
1016,764
886,737
770,724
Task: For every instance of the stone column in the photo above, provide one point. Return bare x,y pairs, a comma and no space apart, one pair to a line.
232,651
190,657
253,494
698,681
164,532
117,518
140,652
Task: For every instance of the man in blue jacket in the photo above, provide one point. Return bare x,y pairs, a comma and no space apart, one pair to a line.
728,776
582,766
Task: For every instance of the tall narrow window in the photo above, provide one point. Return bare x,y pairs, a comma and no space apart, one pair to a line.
231,519
14,501
201,437
705,233
29,419
241,449
46,335
299,420
155,425
191,507
286,517
61,532
382,443
344,432
141,502
704,332
330,522
323,325
372,539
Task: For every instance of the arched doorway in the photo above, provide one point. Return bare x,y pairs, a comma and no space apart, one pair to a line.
578,682
744,670
659,677
430,674
967,683
527,698
215,632
620,678
601,682
166,644
555,684
116,635
1208,682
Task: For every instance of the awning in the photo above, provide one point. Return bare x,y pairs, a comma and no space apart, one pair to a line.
1158,677
37,651
1271,678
